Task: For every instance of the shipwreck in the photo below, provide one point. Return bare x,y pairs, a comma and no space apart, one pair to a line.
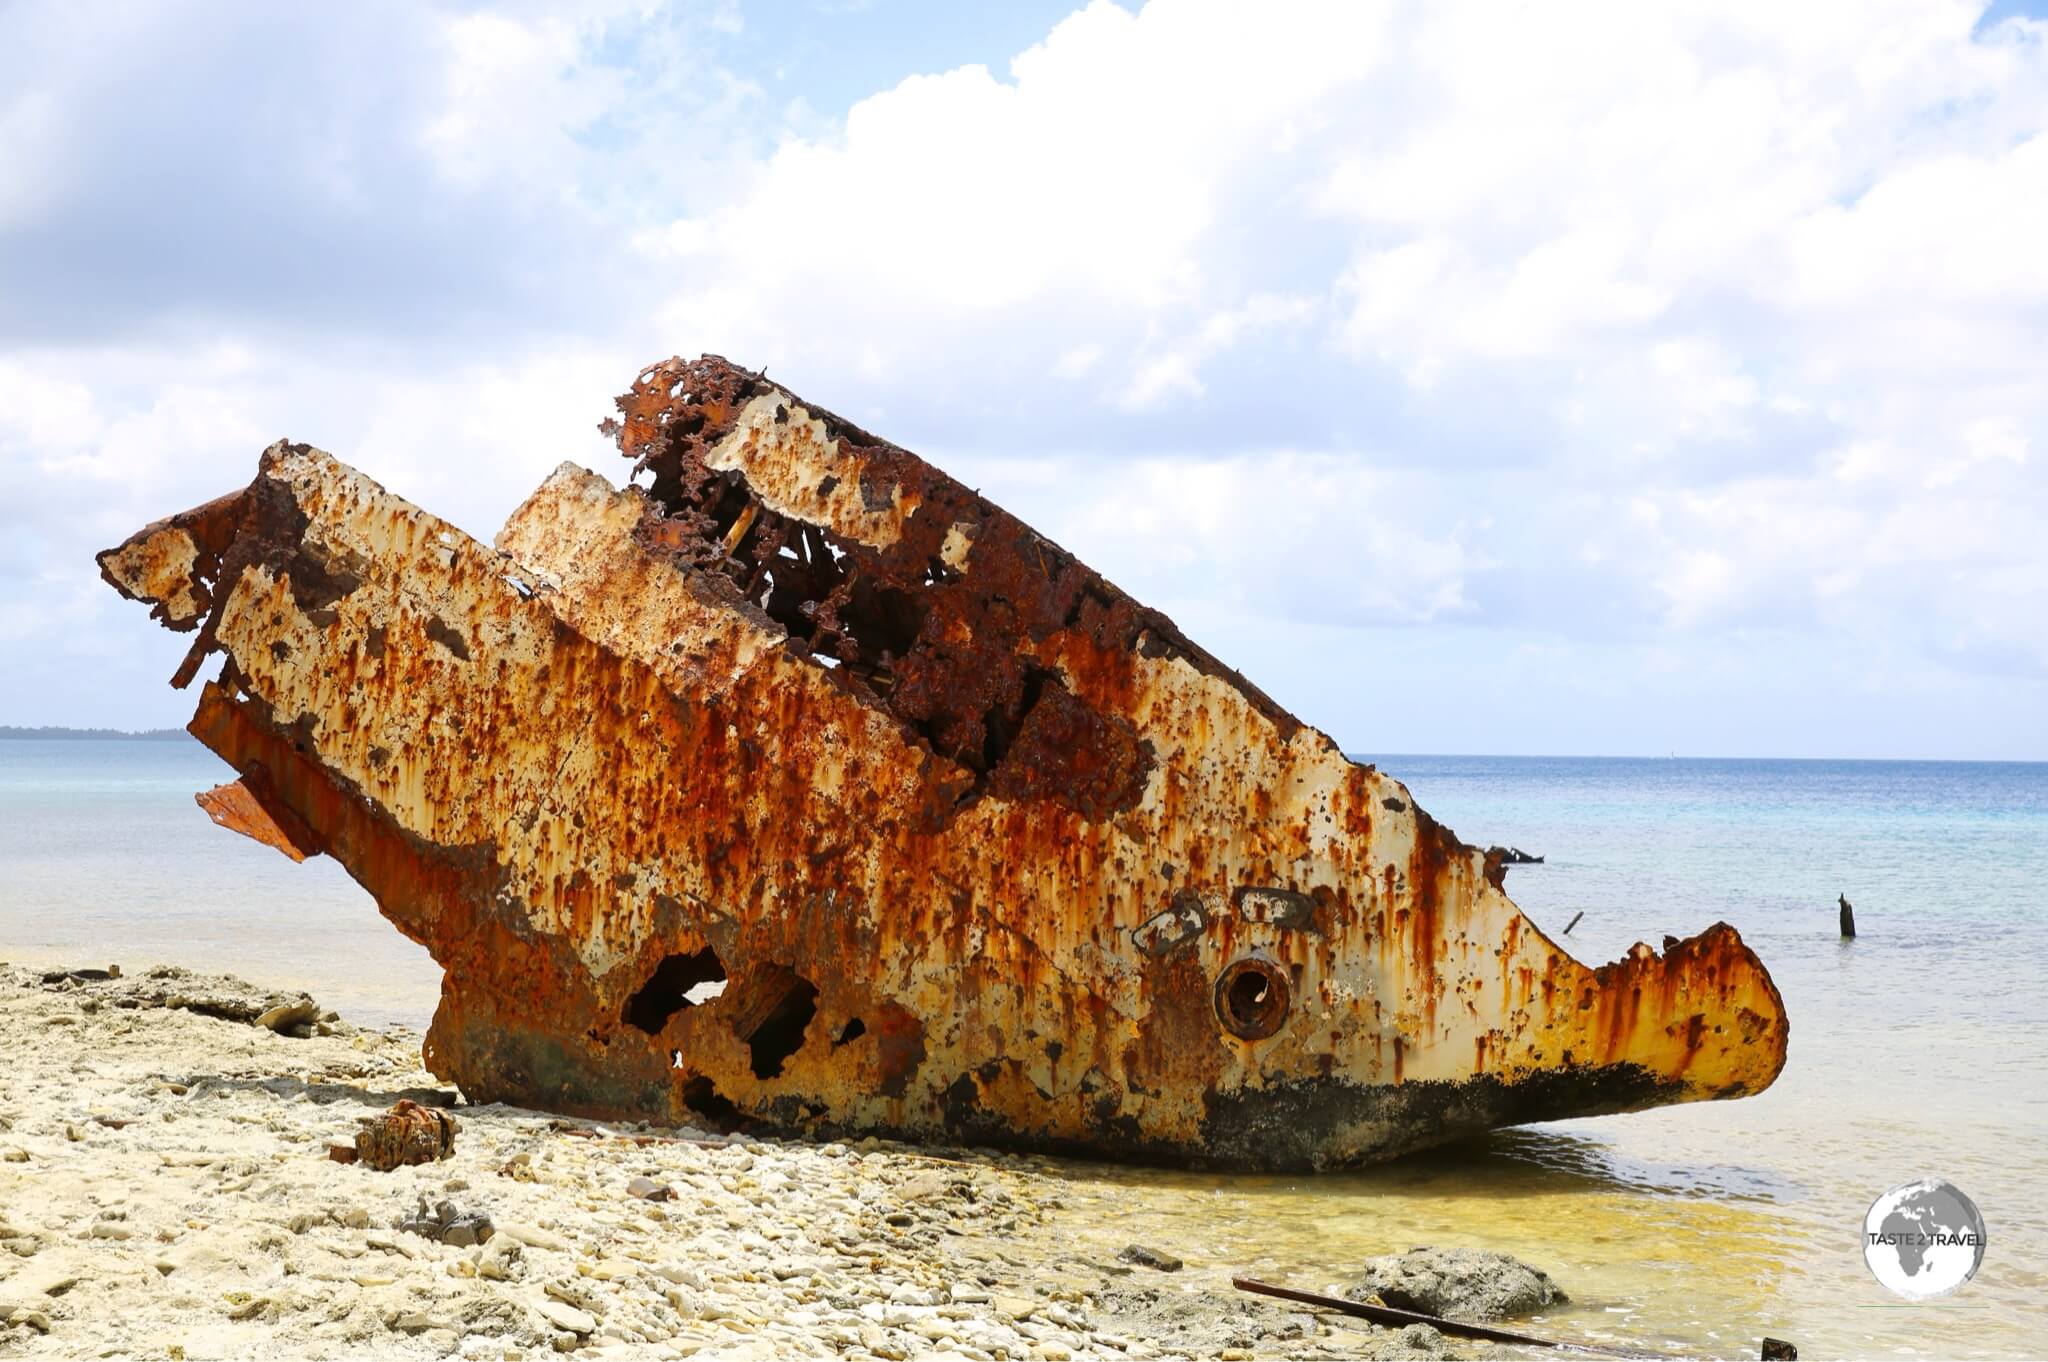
795,785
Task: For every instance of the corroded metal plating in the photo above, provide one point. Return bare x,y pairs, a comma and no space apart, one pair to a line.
803,786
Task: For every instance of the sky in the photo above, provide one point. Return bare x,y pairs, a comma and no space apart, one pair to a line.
1590,378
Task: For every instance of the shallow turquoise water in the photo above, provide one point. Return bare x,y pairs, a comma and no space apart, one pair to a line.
1921,1048
104,857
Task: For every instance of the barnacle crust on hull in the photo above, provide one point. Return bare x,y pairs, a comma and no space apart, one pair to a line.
804,787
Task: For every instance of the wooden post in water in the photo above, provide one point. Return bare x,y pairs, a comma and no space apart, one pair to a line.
1848,919
1573,923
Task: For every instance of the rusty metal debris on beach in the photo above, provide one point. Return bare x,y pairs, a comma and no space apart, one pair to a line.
408,1133
798,785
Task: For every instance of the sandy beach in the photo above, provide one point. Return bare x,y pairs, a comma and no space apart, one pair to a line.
166,1191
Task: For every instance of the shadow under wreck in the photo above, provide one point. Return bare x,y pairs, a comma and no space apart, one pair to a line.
803,787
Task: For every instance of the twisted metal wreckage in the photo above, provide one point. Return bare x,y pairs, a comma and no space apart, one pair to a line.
806,788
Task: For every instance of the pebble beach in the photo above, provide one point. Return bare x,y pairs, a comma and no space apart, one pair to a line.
167,1191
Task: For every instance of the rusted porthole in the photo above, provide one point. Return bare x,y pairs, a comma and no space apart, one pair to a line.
1252,999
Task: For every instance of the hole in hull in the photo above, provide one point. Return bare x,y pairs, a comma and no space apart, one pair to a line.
1246,995
852,1031
1252,999
679,981
773,1027
702,1096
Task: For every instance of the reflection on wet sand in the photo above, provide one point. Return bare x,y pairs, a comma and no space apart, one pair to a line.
1597,1164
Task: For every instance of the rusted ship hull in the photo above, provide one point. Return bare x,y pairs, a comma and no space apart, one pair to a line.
804,787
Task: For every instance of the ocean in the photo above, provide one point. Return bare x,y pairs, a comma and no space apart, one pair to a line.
1920,1049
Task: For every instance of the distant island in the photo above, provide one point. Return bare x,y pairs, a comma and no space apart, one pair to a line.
153,734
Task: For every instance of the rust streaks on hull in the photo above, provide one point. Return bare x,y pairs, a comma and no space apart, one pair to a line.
806,787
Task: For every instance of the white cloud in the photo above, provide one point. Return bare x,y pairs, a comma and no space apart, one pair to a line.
1077,361
1086,188
1168,370
1649,325
43,415
509,99
1306,536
